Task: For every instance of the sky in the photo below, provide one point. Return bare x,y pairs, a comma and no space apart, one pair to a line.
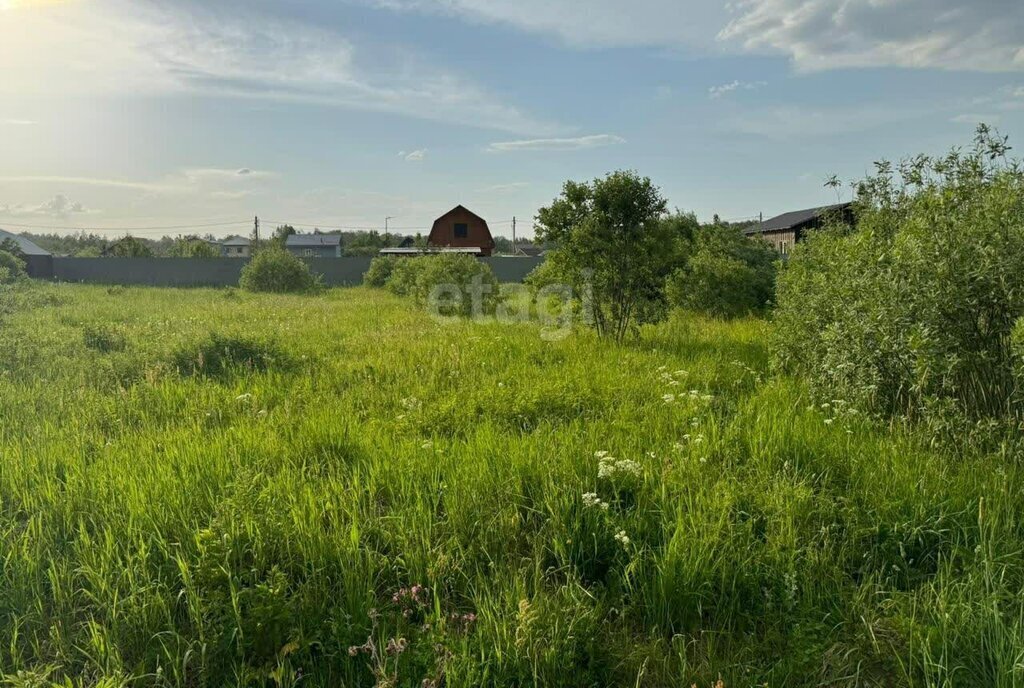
187,116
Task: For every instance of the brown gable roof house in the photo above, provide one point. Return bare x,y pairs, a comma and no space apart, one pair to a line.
460,228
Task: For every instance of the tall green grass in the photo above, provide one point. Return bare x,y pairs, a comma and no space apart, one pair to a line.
212,488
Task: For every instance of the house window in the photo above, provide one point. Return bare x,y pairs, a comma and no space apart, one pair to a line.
308,253
461,230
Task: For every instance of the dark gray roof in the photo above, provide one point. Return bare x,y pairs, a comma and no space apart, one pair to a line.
311,240
235,241
794,219
26,246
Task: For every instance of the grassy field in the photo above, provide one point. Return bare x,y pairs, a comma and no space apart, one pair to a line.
210,488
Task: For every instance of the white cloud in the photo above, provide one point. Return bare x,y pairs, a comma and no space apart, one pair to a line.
791,122
976,118
202,175
60,206
504,188
578,143
17,122
218,182
113,46
601,23
414,156
723,89
982,35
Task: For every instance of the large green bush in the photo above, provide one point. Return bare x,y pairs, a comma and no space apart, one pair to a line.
728,275
457,284
448,284
911,314
276,270
12,268
402,280
380,270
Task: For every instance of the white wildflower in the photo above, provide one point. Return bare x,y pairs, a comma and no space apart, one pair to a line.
669,398
609,467
622,538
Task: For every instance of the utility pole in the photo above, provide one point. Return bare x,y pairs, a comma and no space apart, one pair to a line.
256,229
386,221
515,251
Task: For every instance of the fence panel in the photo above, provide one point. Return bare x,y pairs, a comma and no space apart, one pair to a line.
225,272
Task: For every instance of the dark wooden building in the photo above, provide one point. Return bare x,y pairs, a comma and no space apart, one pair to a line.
461,228
786,230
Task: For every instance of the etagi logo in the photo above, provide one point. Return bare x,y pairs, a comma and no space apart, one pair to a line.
555,308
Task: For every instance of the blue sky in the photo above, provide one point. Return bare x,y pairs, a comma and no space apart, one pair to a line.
338,113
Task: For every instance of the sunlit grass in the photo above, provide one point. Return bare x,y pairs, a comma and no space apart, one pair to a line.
164,522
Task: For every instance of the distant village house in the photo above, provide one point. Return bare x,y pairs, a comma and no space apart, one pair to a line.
786,230
235,247
314,245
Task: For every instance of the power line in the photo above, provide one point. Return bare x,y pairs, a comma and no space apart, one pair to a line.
330,226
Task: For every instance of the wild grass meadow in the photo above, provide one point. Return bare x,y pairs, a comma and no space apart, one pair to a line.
218,488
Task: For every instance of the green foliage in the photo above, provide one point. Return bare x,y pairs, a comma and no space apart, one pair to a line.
219,355
1017,347
129,247
728,275
447,284
265,527
912,314
193,247
380,271
281,234
103,338
278,271
403,277
12,268
613,247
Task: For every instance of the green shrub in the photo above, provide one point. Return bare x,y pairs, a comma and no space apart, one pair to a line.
1017,344
912,313
456,284
221,355
404,274
103,338
729,275
277,271
448,284
12,268
380,270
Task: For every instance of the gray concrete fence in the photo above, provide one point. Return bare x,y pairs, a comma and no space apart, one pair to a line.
225,272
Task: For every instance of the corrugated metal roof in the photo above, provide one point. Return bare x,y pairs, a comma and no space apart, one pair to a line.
794,219
235,241
431,250
312,240
24,245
